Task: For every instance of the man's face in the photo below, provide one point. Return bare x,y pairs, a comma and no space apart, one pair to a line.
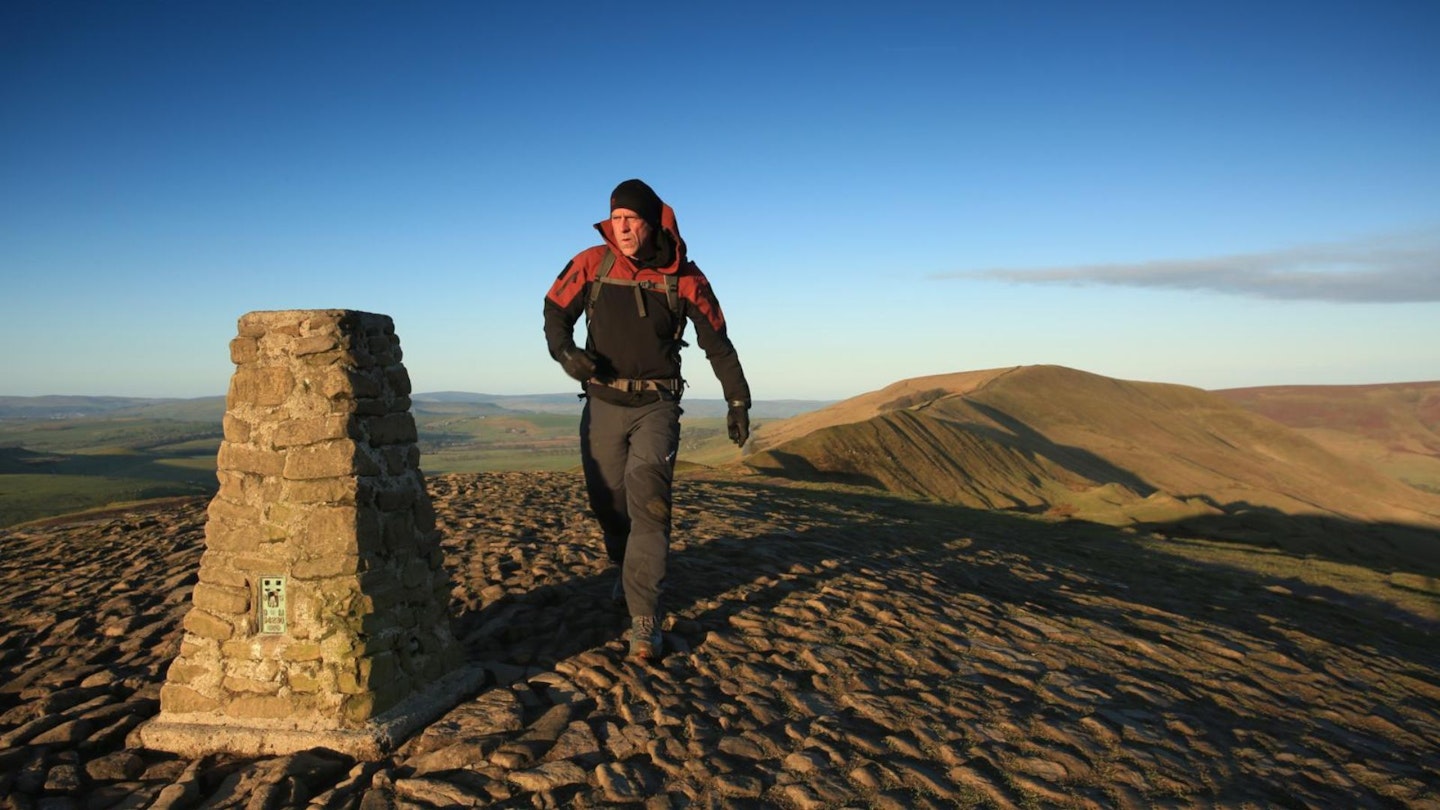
630,230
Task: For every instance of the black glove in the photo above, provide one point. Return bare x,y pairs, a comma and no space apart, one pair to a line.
738,422
578,364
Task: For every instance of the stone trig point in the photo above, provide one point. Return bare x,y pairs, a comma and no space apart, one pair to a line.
319,618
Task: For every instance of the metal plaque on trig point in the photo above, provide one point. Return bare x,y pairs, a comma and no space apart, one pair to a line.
272,604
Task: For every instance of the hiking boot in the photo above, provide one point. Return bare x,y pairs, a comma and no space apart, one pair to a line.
645,640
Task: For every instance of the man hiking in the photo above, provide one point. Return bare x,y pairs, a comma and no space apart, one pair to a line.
637,291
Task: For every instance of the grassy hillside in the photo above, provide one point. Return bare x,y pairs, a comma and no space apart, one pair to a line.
1066,443
54,466
1395,428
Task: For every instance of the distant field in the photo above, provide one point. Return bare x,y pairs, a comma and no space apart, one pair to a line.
1394,428
57,466
92,434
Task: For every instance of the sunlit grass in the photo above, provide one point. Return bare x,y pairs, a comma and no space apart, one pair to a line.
25,497
1416,594
206,463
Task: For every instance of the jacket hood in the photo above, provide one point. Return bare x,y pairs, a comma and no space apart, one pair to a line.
668,224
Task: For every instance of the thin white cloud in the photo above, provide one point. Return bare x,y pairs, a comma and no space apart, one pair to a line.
1390,269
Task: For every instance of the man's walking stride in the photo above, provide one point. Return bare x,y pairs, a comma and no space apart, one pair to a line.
637,291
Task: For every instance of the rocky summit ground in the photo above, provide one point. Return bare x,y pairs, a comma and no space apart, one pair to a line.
826,650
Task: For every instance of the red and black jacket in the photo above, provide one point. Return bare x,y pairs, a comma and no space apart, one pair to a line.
632,330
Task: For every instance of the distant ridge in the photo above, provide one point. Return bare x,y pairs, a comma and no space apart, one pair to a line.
1394,427
571,403
57,406
541,403
1055,440
213,408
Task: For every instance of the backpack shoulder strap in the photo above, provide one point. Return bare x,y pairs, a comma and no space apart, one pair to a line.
672,297
605,264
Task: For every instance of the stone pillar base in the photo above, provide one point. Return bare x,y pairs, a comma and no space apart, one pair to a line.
193,735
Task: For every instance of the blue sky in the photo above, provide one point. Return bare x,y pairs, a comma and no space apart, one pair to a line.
1209,193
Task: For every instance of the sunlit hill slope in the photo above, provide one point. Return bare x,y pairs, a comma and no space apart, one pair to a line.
1048,439
1394,427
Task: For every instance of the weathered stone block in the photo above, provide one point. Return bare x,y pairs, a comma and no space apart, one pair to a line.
393,428
302,652
181,672
325,567
330,459
399,531
247,488
399,380
233,683
207,625
215,568
304,682
251,326
258,707
262,386
241,649
370,407
221,600
383,668
331,382
249,459
233,511
396,458
416,574
244,350
348,682
230,535
181,699
366,383
396,499
379,585
315,344
235,429
340,531
312,430
289,516
424,512
254,562
190,648
349,491
358,708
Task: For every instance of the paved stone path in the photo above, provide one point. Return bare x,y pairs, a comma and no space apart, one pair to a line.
826,650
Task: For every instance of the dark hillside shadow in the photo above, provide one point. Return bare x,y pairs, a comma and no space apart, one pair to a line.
1077,460
1380,546
136,464
799,468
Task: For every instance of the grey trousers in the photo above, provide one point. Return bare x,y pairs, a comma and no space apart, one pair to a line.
628,455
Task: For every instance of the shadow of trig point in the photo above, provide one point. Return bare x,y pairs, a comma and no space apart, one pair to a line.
319,619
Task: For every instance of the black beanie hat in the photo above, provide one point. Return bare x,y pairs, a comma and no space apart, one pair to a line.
640,198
